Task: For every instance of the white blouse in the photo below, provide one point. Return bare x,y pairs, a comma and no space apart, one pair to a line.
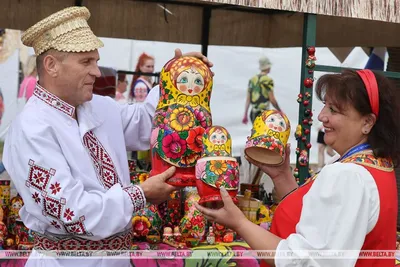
339,210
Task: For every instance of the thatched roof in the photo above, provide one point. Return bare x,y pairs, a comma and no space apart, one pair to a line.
229,25
382,10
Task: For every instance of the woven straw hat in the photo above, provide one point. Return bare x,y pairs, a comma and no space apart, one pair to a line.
66,30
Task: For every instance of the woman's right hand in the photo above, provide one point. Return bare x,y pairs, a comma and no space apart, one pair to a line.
276,172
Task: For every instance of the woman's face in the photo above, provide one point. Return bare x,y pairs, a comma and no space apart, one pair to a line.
148,66
190,82
343,128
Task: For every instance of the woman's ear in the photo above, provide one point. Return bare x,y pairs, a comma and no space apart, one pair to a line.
369,122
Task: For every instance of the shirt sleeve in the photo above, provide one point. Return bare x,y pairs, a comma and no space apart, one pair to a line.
339,210
61,199
267,84
137,121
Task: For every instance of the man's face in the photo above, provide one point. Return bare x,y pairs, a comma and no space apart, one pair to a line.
76,75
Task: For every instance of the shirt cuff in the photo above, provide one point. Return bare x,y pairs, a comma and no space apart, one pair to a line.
137,197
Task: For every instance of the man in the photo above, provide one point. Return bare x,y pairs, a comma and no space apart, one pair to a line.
66,152
260,92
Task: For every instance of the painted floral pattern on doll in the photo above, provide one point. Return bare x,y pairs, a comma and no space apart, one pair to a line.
217,173
193,222
183,111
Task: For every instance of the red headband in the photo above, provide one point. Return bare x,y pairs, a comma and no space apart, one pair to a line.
371,85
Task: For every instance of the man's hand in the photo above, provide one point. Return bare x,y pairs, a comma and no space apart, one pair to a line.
178,53
156,190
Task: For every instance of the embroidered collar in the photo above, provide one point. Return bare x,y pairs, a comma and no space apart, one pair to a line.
53,100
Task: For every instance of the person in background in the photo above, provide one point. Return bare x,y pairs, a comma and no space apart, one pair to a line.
142,84
351,205
122,85
29,82
322,147
260,92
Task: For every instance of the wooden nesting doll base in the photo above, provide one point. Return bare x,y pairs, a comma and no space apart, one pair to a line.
183,176
213,200
264,156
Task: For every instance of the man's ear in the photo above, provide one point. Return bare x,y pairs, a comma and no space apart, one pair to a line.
51,65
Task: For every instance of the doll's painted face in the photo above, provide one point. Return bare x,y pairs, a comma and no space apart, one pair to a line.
190,82
16,206
218,137
276,122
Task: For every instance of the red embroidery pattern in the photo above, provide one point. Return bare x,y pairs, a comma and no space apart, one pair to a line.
38,176
102,162
53,100
120,241
137,197
77,227
55,188
39,180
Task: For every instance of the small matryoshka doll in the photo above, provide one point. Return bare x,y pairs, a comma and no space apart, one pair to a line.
15,206
182,115
193,222
217,168
268,139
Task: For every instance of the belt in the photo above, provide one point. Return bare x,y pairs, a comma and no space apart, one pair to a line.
47,241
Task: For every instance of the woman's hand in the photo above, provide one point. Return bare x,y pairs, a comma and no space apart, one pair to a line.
229,215
275,172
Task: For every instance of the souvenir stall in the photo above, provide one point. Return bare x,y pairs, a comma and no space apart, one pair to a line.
183,134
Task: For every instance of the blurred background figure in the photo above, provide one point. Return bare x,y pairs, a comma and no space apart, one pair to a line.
122,85
260,92
322,147
141,84
29,82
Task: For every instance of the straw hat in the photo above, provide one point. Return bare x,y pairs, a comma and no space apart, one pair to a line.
66,30
265,63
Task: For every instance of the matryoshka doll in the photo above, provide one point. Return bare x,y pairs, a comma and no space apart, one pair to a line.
3,229
268,139
182,115
193,222
13,216
217,168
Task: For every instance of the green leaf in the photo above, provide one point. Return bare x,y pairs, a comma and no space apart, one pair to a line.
183,135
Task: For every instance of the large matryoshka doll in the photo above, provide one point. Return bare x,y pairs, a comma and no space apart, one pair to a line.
182,115
268,139
216,168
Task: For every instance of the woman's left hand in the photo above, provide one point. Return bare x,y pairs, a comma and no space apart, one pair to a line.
178,53
229,215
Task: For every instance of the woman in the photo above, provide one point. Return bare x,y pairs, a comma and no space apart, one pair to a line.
29,82
141,85
352,203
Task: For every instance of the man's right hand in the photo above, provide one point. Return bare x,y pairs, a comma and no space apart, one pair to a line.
156,190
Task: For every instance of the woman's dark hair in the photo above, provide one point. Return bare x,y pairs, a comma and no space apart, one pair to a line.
347,88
